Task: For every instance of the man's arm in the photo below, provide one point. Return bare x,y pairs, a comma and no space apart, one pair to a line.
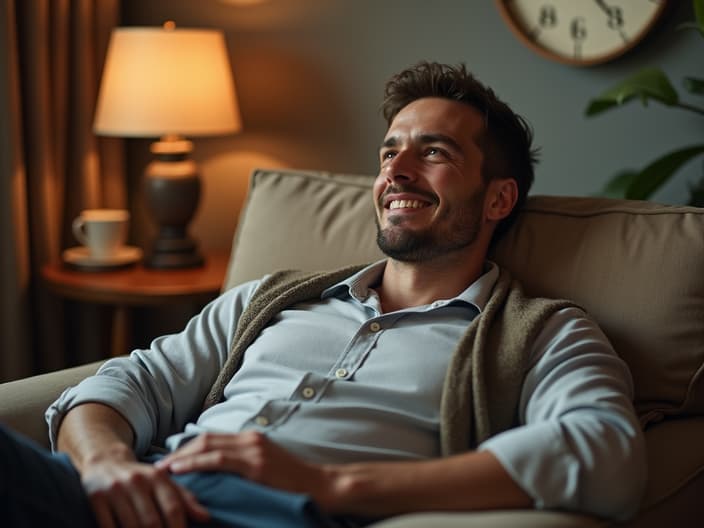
93,431
161,389
581,447
470,481
158,390
121,489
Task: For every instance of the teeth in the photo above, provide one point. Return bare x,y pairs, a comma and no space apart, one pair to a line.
401,204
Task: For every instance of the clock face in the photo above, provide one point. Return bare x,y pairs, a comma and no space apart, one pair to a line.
581,32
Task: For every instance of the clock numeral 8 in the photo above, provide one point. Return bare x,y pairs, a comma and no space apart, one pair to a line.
615,17
548,16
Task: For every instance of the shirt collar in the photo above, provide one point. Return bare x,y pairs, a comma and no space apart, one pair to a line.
358,285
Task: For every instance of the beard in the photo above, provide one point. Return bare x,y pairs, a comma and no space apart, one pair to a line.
454,230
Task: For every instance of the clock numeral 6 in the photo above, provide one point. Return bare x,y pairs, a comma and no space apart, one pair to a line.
578,28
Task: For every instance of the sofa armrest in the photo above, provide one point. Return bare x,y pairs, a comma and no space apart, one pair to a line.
672,498
23,402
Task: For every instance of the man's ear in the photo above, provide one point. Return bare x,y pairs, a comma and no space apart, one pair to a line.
502,195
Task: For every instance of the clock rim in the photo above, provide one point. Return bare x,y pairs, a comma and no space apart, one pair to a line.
516,29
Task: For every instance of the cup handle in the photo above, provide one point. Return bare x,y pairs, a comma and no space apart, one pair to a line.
79,232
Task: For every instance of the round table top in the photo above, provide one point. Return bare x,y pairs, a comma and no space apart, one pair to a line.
138,285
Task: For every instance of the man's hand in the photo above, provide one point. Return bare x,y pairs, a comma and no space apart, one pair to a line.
130,493
122,491
469,481
254,457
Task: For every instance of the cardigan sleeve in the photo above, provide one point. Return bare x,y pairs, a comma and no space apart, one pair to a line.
579,445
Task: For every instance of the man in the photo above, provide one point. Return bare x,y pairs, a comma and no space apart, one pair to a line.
427,381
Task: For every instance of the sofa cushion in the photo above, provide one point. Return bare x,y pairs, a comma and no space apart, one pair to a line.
635,266
675,455
24,401
304,220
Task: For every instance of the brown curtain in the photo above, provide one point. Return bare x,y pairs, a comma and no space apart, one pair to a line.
51,164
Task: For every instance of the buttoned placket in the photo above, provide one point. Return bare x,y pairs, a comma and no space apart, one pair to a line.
312,387
362,343
369,332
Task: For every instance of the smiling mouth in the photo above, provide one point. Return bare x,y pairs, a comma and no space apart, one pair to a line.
407,204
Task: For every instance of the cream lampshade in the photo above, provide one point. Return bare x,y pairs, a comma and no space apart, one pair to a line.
168,83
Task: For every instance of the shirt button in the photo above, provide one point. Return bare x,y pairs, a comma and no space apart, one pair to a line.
308,392
261,420
341,373
375,327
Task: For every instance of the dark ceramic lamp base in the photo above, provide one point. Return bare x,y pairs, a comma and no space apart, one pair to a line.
169,250
172,192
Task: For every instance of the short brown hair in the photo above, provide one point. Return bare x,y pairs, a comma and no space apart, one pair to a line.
507,138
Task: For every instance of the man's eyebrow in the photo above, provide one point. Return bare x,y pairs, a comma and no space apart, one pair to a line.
389,142
426,139
441,138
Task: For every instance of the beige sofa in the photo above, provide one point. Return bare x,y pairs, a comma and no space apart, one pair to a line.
636,266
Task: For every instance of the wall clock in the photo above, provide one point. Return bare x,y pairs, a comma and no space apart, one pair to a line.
581,32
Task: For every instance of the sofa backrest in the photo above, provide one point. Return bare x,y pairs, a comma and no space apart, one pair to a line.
636,267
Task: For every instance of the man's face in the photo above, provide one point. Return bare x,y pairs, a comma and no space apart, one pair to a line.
429,194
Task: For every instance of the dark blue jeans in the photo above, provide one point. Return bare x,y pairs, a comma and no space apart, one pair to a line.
38,488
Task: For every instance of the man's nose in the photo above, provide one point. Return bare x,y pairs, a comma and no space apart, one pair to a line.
402,166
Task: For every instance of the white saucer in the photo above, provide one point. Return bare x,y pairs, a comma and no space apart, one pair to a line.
80,256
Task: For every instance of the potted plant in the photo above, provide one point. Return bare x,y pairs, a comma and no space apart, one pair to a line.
646,85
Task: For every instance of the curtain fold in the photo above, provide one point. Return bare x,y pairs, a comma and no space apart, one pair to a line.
53,166
15,351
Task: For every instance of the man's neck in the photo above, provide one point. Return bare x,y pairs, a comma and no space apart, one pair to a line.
407,284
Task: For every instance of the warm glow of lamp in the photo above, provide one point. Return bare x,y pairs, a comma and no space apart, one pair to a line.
168,83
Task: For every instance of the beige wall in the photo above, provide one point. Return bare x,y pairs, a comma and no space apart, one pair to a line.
310,75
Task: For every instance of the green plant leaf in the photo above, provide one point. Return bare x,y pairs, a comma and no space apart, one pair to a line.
696,194
649,83
617,187
690,25
694,85
652,177
699,14
698,23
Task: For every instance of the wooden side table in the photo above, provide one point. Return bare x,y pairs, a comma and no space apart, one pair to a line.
137,286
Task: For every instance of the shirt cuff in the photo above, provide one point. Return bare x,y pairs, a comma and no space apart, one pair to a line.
108,391
536,458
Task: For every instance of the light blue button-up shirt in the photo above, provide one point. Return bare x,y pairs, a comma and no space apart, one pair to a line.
338,381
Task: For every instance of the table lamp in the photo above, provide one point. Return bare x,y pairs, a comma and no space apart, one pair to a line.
168,83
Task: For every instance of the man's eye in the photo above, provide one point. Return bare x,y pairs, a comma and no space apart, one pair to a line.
432,151
388,155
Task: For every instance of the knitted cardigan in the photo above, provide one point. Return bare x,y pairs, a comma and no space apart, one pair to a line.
485,375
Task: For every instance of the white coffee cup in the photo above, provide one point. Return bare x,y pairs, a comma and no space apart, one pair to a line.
102,231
